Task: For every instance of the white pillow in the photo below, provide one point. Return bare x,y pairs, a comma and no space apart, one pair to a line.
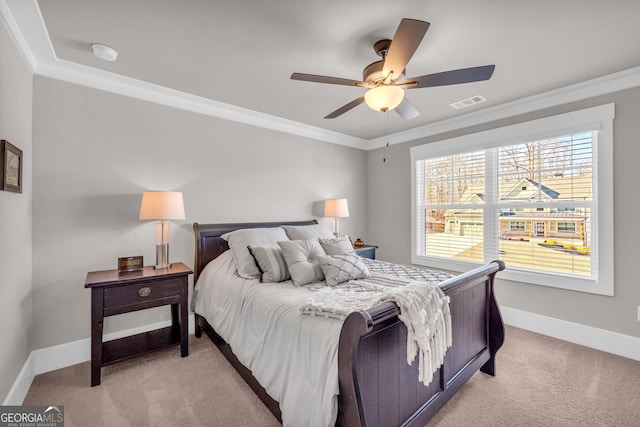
342,268
302,260
337,246
271,263
305,232
239,240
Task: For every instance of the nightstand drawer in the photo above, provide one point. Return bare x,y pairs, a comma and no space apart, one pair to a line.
141,293
367,251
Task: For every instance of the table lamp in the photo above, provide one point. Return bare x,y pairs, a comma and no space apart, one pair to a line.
162,205
336,208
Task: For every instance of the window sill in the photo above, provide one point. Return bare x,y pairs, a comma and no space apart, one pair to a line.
602,286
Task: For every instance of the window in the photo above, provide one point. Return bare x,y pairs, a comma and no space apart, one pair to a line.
529,194
517,225
567,227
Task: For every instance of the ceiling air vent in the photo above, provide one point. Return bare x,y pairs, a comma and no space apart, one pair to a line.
468,102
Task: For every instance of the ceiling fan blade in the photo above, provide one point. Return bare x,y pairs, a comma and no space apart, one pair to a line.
340,111
326,79
454,77
407,110
408,36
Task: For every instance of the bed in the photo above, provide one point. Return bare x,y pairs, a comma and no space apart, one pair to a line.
376,385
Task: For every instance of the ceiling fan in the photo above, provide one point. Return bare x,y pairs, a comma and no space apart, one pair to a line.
385,79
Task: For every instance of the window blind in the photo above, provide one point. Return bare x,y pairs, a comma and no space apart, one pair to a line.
528,204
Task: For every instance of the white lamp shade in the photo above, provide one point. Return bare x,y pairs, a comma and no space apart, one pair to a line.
337,208
384,98
162,205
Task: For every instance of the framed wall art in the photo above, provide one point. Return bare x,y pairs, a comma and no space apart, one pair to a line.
10,167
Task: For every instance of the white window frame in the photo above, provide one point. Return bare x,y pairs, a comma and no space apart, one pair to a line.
598,119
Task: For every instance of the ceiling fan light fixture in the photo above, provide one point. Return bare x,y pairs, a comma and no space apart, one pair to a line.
384,97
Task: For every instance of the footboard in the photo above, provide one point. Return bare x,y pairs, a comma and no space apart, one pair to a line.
379,388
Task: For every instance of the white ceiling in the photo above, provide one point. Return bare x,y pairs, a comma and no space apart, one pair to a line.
242,52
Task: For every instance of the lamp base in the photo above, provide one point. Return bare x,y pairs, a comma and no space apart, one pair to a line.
162,257
336,226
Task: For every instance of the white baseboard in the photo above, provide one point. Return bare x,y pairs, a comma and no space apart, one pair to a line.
22,383
588,336
63,355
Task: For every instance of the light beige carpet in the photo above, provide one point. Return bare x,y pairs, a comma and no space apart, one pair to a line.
540,381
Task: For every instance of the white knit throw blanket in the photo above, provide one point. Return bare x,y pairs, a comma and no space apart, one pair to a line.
424,309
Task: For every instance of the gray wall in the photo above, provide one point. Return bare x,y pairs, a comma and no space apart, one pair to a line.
16,86
390,221
96,152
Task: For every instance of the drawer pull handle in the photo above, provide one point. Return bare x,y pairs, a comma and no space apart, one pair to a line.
144,292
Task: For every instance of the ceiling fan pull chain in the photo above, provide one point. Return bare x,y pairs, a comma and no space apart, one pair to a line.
386,136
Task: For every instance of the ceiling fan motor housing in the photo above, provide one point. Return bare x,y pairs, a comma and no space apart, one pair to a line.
372,74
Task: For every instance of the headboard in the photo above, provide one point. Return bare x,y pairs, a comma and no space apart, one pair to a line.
209,244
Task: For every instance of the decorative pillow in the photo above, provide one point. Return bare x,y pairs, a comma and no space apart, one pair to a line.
337,246
342,268
271,263
305,232
239,240
302,260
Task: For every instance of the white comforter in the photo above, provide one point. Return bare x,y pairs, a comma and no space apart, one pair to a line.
293,356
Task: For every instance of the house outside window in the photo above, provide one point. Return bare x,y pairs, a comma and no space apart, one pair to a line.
528,194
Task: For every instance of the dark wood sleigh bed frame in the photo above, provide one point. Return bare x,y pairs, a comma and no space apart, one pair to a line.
377,386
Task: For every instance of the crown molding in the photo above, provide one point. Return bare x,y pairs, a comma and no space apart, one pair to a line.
588,89
8,18
27,28
26,25
115,83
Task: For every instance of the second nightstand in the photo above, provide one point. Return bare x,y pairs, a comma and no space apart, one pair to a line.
116,292
366,251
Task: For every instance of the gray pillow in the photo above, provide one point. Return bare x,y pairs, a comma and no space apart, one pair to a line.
240,240
271,263
337,246
342,268
302,260
304,232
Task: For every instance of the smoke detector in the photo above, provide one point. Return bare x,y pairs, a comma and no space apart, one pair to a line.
104,52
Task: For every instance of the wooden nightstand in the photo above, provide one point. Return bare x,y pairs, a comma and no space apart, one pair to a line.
367,251
116,292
